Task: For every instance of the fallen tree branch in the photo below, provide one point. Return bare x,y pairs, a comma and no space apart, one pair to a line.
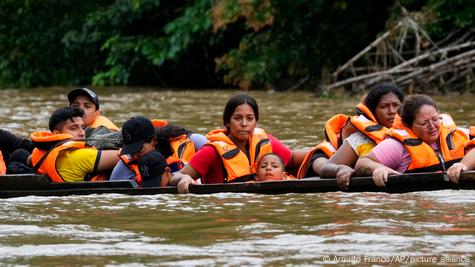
369,47
436,65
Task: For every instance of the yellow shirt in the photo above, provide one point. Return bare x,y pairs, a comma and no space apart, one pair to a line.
360,143
75,164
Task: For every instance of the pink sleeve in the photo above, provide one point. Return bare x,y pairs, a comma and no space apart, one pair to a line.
280,149
391,153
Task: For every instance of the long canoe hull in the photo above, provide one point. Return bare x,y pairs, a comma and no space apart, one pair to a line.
39,185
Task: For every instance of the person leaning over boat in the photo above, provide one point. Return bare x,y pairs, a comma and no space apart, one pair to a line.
88,100
11,146
419,142
175,143
140,154
377,113
62,153
232,153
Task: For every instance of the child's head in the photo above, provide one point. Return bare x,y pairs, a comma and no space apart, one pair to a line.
271,167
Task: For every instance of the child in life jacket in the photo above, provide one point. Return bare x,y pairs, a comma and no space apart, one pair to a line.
271,167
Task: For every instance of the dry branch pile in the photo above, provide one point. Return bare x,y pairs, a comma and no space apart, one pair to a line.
406,55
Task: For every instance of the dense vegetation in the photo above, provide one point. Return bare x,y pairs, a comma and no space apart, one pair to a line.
200,43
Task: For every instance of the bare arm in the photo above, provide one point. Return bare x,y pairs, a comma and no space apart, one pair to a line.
297,158
318,164
344,156
366,165
467,163
340,165
348,130
184,177
369,165
108,160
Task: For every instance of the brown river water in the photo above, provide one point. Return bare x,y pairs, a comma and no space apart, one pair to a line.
422,228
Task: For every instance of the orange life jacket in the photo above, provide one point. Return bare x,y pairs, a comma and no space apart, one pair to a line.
471,132
48,147
238,166
3,166
159,123
183,148
133,166
452,142
324,147
471,143
333,128
103,121
332,142
366,123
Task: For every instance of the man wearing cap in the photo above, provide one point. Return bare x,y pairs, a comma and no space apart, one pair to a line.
144,165
62,153
86,99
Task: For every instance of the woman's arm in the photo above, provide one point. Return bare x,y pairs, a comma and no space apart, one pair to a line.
108,160
318,164
340,165
345,156
184,177
467,163
297,158
369,165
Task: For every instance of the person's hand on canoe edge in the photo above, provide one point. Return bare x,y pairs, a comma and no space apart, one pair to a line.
381,174
455,170
343,176
184,184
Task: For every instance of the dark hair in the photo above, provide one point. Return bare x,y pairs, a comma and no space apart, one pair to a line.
163,136
281,161
378,91
60,116
171,131
236,101
412,105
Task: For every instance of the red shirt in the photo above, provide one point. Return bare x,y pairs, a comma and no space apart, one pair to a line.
209,165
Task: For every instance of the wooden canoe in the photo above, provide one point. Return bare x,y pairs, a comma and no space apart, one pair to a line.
39,185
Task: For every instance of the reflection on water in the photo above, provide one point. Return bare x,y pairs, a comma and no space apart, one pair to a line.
230,229
235,229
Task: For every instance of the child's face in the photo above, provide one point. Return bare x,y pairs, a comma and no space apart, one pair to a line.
270,168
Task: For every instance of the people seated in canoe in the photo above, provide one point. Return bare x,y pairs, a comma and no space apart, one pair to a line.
62,153
419,142
14,151
359,134
88,100
271,167
232,153
142,136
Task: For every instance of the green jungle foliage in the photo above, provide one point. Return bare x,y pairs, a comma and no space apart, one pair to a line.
201,43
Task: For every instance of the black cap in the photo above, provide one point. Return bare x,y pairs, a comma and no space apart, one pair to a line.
20,155
151,167
134,133
85,92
